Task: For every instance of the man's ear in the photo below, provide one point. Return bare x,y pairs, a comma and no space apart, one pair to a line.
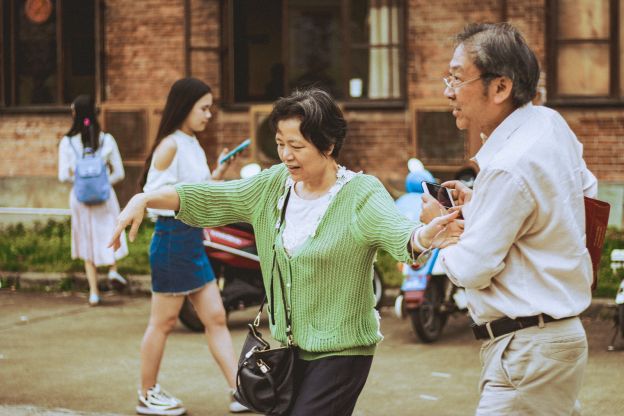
501,88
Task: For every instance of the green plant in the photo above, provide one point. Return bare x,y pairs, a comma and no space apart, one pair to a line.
46,247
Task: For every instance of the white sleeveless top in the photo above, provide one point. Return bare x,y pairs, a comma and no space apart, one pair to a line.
189,165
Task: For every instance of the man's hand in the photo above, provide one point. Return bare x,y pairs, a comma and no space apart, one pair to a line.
132,215
431,209
461,193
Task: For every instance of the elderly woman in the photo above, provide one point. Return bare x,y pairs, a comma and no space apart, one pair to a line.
335,221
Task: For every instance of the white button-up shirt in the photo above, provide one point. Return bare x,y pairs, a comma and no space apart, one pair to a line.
523,250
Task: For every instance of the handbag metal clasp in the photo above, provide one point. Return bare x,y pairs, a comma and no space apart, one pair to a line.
263,366
256,321
251,351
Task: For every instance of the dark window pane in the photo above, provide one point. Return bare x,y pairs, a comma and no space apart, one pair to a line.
439,141
78,48
315,57
258,69
358,78
359,22
35,53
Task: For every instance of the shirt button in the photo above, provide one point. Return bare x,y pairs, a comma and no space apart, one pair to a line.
288,285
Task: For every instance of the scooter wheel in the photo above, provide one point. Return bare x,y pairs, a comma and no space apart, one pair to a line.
189,317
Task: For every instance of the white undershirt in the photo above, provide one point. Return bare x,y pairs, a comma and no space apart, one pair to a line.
304,215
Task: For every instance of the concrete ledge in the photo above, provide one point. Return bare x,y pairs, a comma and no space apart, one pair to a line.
54,281
601,308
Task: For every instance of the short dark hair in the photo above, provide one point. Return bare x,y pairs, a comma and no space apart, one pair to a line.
499,49
322,121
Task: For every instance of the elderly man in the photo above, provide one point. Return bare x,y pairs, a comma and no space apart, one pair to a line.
522,256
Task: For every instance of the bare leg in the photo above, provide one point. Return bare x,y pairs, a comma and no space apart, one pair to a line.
163,316
209,307
91,272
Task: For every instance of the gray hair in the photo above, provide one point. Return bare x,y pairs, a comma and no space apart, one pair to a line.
498,49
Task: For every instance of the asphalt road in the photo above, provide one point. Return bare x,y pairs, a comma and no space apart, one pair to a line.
60,357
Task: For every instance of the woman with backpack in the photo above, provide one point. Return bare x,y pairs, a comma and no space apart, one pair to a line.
178,260
93,203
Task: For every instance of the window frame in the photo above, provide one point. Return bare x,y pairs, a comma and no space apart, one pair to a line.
227,62
552,44
7,69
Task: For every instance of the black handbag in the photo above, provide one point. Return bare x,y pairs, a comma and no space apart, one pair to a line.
265,376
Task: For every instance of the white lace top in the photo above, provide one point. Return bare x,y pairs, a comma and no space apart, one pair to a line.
304,215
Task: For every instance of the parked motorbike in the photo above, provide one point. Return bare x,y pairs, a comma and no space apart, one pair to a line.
234,259
617,341
427,296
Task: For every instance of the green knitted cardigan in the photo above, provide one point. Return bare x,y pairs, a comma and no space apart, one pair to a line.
328,279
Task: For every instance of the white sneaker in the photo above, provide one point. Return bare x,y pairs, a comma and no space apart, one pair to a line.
236,406
116,279
94,299
159,402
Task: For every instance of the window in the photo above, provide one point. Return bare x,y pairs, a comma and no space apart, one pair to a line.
351,48
48,51
587,44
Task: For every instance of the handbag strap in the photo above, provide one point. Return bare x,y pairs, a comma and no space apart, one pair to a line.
256,323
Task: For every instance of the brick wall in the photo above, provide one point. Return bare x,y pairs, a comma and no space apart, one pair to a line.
144,48
29,145
602,135
144,55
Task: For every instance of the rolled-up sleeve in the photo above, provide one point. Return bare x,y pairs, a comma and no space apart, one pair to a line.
480,253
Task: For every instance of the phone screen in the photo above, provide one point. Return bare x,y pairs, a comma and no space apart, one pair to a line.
440,193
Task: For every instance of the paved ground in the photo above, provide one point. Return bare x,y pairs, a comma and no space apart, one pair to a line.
60,357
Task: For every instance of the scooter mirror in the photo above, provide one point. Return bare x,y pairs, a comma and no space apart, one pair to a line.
250,170
414,165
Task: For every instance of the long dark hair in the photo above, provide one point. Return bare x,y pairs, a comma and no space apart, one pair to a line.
182,97
85,122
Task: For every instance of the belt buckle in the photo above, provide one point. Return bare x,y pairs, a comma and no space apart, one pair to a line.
488,327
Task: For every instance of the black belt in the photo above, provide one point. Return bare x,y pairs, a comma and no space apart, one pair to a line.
506,325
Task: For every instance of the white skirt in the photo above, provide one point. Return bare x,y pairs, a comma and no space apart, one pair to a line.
92,227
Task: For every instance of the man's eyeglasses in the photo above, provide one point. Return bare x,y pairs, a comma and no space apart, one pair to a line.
453,83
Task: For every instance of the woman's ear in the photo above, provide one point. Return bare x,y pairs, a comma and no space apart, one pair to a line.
329,151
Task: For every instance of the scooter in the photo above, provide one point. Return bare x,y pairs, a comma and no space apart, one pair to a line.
427,296
234,259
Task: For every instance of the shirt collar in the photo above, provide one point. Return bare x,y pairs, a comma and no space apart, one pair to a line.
496,141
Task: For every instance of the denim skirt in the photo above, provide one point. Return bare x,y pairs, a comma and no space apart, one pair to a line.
177,258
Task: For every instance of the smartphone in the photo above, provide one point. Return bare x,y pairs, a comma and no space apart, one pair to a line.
442,194
235,151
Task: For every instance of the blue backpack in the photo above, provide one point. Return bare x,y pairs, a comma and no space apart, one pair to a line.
91,185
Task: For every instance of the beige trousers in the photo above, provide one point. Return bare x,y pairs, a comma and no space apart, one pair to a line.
534,371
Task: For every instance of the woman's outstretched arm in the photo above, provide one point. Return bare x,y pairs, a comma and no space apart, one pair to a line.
163,198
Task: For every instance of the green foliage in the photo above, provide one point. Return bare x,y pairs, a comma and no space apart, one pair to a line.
608,282
46,247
